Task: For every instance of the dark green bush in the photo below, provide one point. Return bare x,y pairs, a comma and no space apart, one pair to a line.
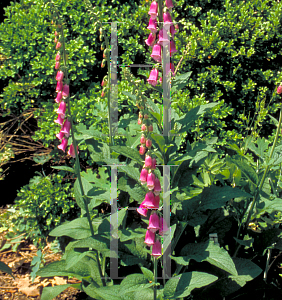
42,205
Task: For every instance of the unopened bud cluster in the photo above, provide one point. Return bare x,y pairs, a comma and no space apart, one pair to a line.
62,90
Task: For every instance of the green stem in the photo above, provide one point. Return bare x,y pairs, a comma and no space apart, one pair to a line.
77,164
155,277
256,197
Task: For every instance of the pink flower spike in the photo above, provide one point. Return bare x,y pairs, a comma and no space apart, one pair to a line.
154,222
163,225
149,200
153,78
157,249
154,162
142,150
151,181
63,145
62,109
71,151
149,238
172,47
66,91
142,210
163,37
58,56
152,25
157,187
59,86
169,4
60,135
66,128
60,76
143,176
59,97
167,20
279,90
153,12
151,39
57,65
58,45
148,161
60,120
157,53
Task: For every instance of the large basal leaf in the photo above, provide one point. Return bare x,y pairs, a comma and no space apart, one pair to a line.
50,292
208,252
246,169
215,197
183,284
91,290
188,120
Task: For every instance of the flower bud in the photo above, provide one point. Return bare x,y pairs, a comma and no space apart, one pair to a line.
58,45
139,122
146,116
148,143
143,139
279,90
142,150
58,56
57,65
148,161
143,127
60,76
150,128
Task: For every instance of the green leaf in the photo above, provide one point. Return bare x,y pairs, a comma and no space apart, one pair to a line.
149,275
211,253
64,168
6,269
49,293
180,81
136,191
128,152
215,197
246,169
259,150
129,234
87,186
159,140
183,284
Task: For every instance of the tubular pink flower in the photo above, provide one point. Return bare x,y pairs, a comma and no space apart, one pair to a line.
279,90
172,47
151,181
66,128
170,67
60,135
163,37
59,97
58,45
153,78
58,56
71,151
167,20
148,161
157,186
152,25
143,139
157,53
157,202
154,222
142,150
149,238
62,109
169,4
153,12
163,226
142,210
60,76
143,176
66,91
154,162
60,120
149,200
151,39
59,86
157,249
63,145
57,65
172,30
149,143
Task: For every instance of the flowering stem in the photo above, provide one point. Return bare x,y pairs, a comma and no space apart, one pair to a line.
77,164
155,277
256,197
